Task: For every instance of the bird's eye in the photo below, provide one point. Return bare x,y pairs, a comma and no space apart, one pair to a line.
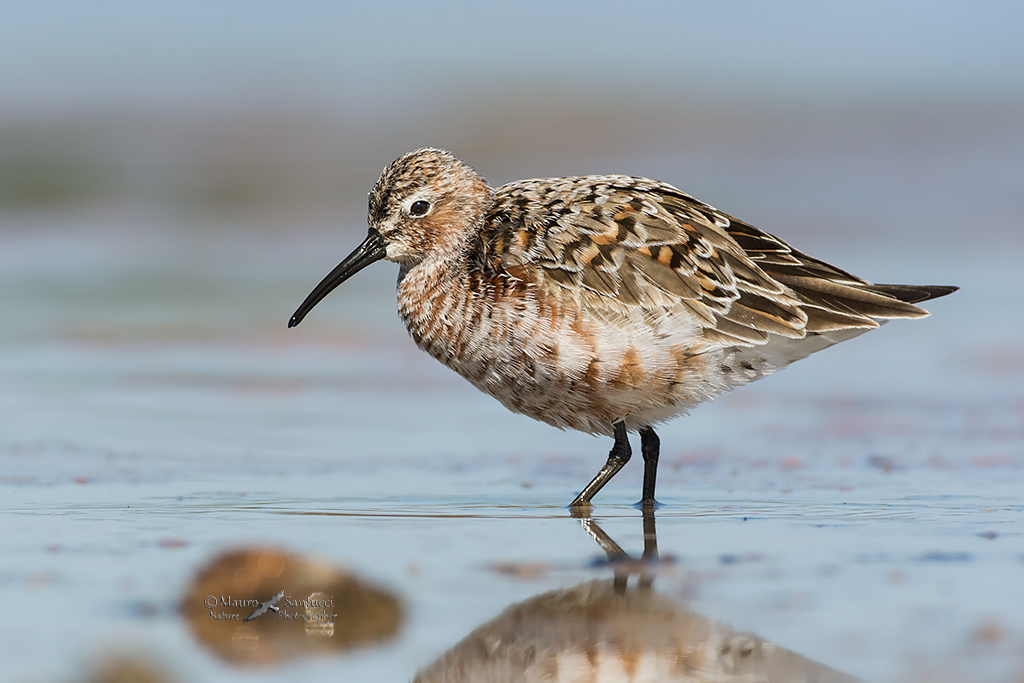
419,208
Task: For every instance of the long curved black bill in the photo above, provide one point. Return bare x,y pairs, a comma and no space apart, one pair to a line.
371,250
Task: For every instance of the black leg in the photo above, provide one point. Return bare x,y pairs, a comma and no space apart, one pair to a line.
617,459
650,446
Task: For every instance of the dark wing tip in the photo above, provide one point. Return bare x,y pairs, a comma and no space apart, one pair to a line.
913,294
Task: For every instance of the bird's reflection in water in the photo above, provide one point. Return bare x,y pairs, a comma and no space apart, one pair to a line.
611,631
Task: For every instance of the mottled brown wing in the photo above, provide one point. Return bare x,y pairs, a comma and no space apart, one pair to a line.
832,298
610,242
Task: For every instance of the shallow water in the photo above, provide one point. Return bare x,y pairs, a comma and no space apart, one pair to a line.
861,509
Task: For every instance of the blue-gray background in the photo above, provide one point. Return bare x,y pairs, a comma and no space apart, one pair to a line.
371,56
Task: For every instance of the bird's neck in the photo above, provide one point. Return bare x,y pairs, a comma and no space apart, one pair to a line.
429,293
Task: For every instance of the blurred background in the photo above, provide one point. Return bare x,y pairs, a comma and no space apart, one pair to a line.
175,177
276,117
